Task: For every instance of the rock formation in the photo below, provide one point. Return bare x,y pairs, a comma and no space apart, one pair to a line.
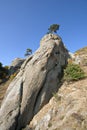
34,85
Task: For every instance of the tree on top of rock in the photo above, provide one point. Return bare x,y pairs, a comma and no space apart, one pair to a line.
28,52
53,28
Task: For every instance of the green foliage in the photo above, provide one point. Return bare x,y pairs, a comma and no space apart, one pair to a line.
28,52
73,72
0,65
13,76
6,67
50,124
53,28
3,71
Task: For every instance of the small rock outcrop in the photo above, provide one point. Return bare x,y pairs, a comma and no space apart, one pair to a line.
15,65
34,85
79,57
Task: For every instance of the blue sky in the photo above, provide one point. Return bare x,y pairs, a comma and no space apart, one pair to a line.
24,22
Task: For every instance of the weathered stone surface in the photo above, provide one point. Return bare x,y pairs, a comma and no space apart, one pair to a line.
34,85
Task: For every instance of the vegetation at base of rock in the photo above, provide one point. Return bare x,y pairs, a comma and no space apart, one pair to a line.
53,28
73,72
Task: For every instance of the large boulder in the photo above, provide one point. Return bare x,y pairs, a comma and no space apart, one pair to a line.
31,89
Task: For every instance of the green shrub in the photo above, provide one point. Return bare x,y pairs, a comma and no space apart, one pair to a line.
3,71
73,72
50,124
13,76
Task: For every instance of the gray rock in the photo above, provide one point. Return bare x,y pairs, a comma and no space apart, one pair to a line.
34,85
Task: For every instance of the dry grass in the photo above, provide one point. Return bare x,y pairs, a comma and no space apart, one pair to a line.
82,51
3,88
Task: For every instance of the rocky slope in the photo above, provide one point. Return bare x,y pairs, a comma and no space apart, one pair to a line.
34,85
67,110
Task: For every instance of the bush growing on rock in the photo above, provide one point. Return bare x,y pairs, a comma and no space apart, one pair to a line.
73,72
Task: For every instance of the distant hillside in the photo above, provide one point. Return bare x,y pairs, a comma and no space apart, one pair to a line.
82,55
82,51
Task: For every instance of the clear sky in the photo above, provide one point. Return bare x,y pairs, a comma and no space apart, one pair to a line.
24,22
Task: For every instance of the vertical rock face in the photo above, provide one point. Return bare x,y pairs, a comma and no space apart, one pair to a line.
31,89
